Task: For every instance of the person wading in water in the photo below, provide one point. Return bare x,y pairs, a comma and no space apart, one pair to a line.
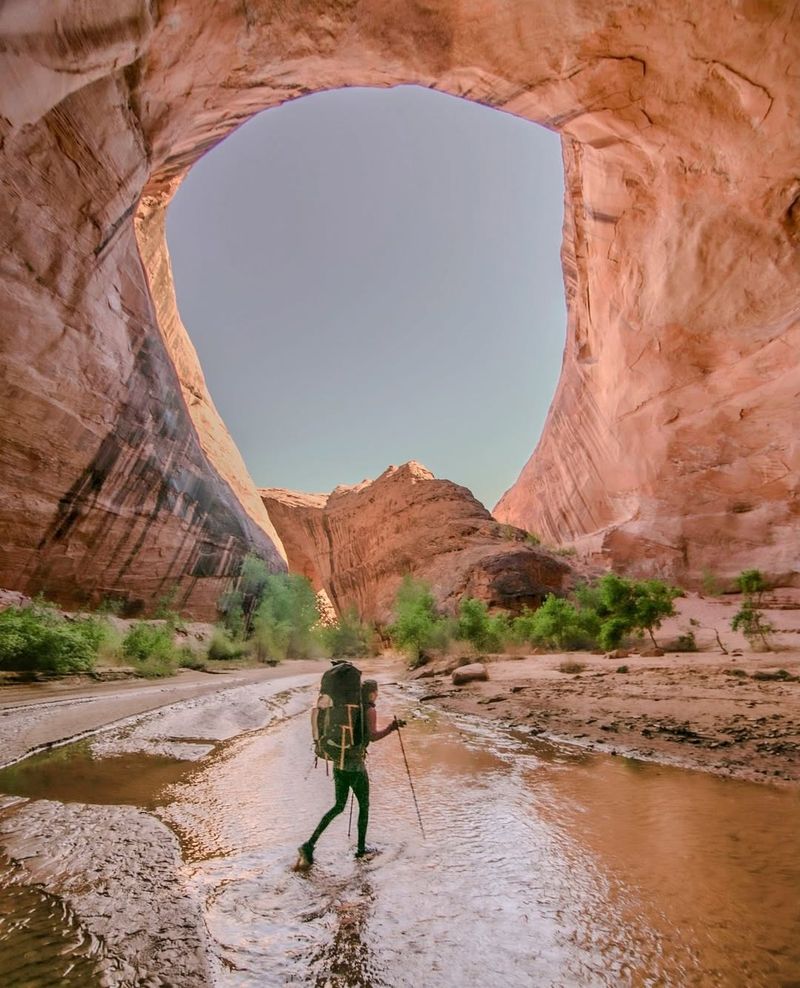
353,776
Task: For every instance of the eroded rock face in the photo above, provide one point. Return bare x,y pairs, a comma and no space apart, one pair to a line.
671,445
358,542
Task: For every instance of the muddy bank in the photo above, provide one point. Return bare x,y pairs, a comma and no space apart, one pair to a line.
693,710
702,710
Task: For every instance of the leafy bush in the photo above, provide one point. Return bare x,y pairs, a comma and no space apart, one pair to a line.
684,643
284,622
571,666
349,637
557,624
711,585
222,648
188,659
624,606
148,641
417,625
37,638
749,619
475,625
240,604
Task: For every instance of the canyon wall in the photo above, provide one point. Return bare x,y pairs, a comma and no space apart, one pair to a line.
672,441
358,543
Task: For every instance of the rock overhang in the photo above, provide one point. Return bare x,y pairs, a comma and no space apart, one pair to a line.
681,271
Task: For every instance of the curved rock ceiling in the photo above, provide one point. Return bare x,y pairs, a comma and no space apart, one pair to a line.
671,445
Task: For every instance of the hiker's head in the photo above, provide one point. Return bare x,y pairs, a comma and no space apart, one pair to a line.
369,690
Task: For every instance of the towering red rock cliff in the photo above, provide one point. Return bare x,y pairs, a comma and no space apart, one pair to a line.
359,542
671,444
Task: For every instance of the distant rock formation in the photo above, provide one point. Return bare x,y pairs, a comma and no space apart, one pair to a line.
671,445
358,542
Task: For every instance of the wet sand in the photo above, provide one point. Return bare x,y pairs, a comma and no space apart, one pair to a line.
116,871
701,710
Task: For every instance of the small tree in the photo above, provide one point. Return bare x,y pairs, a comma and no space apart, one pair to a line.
417,624
474,624
749,619
623,606
285,617
239,605
349,637
555,623
653,602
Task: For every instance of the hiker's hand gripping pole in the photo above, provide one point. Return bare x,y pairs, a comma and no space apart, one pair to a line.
397,724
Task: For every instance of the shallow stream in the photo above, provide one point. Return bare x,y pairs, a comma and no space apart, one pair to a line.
541,866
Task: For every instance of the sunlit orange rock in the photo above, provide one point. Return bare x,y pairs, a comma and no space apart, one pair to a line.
671,445
359,542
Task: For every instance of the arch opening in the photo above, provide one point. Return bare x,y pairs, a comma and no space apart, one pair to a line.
373,276
676,405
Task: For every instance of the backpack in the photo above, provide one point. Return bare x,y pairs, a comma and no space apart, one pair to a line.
337,718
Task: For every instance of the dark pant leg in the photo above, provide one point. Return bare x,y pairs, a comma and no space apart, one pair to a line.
360,786
341,784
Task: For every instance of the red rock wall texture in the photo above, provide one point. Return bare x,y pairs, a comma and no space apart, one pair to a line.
671,444
358,542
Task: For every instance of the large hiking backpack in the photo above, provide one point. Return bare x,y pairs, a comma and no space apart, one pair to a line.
337,719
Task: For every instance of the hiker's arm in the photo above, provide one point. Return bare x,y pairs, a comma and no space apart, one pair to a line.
372,726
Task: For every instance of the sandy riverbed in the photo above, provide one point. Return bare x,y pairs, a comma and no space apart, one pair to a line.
700,710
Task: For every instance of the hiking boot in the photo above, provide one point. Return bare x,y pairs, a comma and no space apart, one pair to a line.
366,852
305,856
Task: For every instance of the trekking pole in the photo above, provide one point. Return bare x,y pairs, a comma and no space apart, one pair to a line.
410,780
350,824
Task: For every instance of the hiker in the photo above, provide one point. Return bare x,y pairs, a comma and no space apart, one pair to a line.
353,775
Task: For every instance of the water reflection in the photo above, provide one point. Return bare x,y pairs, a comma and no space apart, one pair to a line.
551,867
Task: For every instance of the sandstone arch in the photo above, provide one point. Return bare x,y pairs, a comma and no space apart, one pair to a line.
672,439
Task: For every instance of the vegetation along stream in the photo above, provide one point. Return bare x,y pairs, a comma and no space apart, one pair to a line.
541,865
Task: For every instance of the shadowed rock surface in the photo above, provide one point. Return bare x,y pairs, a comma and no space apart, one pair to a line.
671,443
359,542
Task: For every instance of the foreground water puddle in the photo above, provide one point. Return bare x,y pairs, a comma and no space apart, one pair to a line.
75,773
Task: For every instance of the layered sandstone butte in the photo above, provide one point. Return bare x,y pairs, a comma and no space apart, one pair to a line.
671,444
358,543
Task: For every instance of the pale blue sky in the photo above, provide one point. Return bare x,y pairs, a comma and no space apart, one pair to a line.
372,276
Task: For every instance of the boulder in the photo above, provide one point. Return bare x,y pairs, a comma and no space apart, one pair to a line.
467,674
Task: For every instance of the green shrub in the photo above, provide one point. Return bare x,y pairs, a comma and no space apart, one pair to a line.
711,584
475,625
37,638
350,637
240,604
283,625
625,606
151,649
417,625
749,619
571,666
623,669
222,648
188,659
684,643
557,624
